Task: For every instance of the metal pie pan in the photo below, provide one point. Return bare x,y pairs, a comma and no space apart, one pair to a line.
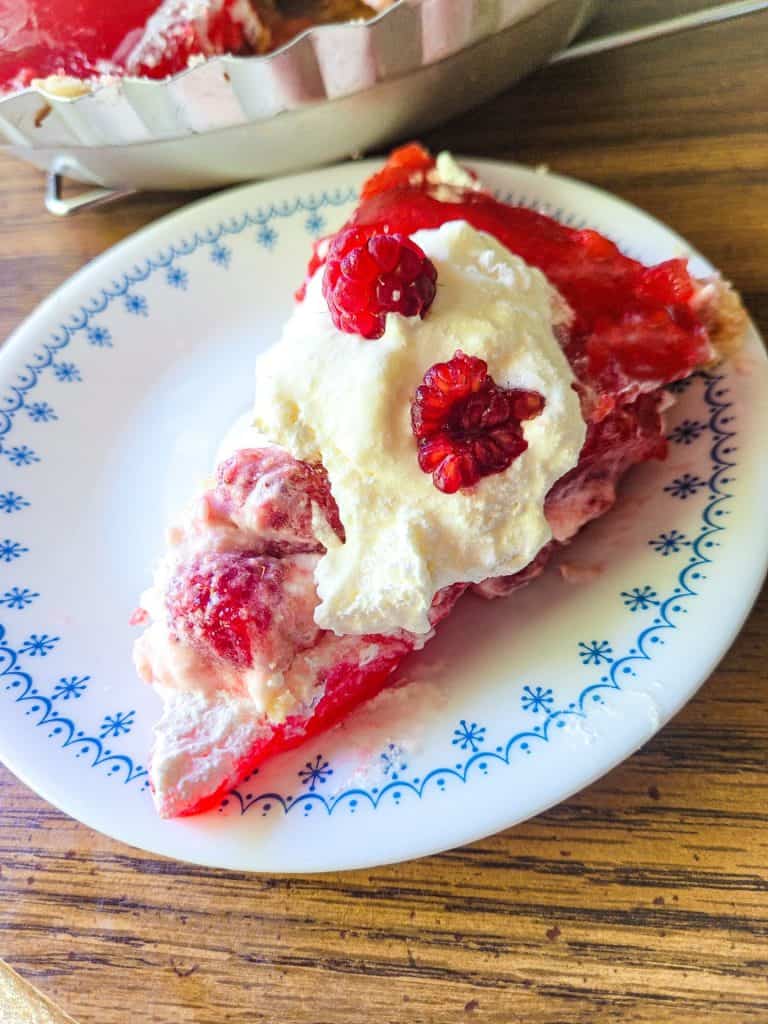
334,92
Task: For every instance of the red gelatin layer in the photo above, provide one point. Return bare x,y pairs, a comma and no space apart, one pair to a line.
71,37
634,328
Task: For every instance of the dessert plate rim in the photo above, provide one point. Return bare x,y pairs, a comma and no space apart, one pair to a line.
47,760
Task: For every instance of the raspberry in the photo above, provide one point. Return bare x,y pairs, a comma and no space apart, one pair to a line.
468,427
222,603
268,492
369,274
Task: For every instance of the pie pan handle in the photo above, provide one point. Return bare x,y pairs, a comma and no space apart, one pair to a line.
59,206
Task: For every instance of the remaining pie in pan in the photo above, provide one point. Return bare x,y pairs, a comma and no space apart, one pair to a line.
460,388
70,46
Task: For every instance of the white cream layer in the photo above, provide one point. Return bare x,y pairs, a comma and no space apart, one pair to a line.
334,397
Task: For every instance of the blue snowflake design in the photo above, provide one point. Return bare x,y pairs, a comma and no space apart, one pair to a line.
266,237
22,455
669,543
38,707
42,713
221,255
11,549
38,645
468,736
595,652
11,502
136,304
117,725
70,688
640,599
177,278
66,372
99,337
537,699
685,486
315,773
687,432
314,223
41,412
393,761
18,598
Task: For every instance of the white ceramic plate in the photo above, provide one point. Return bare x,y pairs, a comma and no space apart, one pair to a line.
115,394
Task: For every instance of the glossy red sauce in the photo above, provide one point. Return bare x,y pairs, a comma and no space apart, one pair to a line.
634,326
72,37
88,38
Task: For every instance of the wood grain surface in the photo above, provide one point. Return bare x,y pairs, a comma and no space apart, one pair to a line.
642,899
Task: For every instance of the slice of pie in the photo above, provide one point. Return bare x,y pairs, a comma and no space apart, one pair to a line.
459,390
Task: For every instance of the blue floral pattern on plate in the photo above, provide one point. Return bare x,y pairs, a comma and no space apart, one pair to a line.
39,707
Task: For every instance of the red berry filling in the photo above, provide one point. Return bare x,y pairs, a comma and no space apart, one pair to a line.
468,427
635,327
286,490
220,603
369,274
149,38
45,37
181,34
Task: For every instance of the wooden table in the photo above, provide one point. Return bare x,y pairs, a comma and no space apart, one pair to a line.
642,899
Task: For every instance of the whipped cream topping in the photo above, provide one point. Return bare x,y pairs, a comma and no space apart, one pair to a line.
335,398
446,176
